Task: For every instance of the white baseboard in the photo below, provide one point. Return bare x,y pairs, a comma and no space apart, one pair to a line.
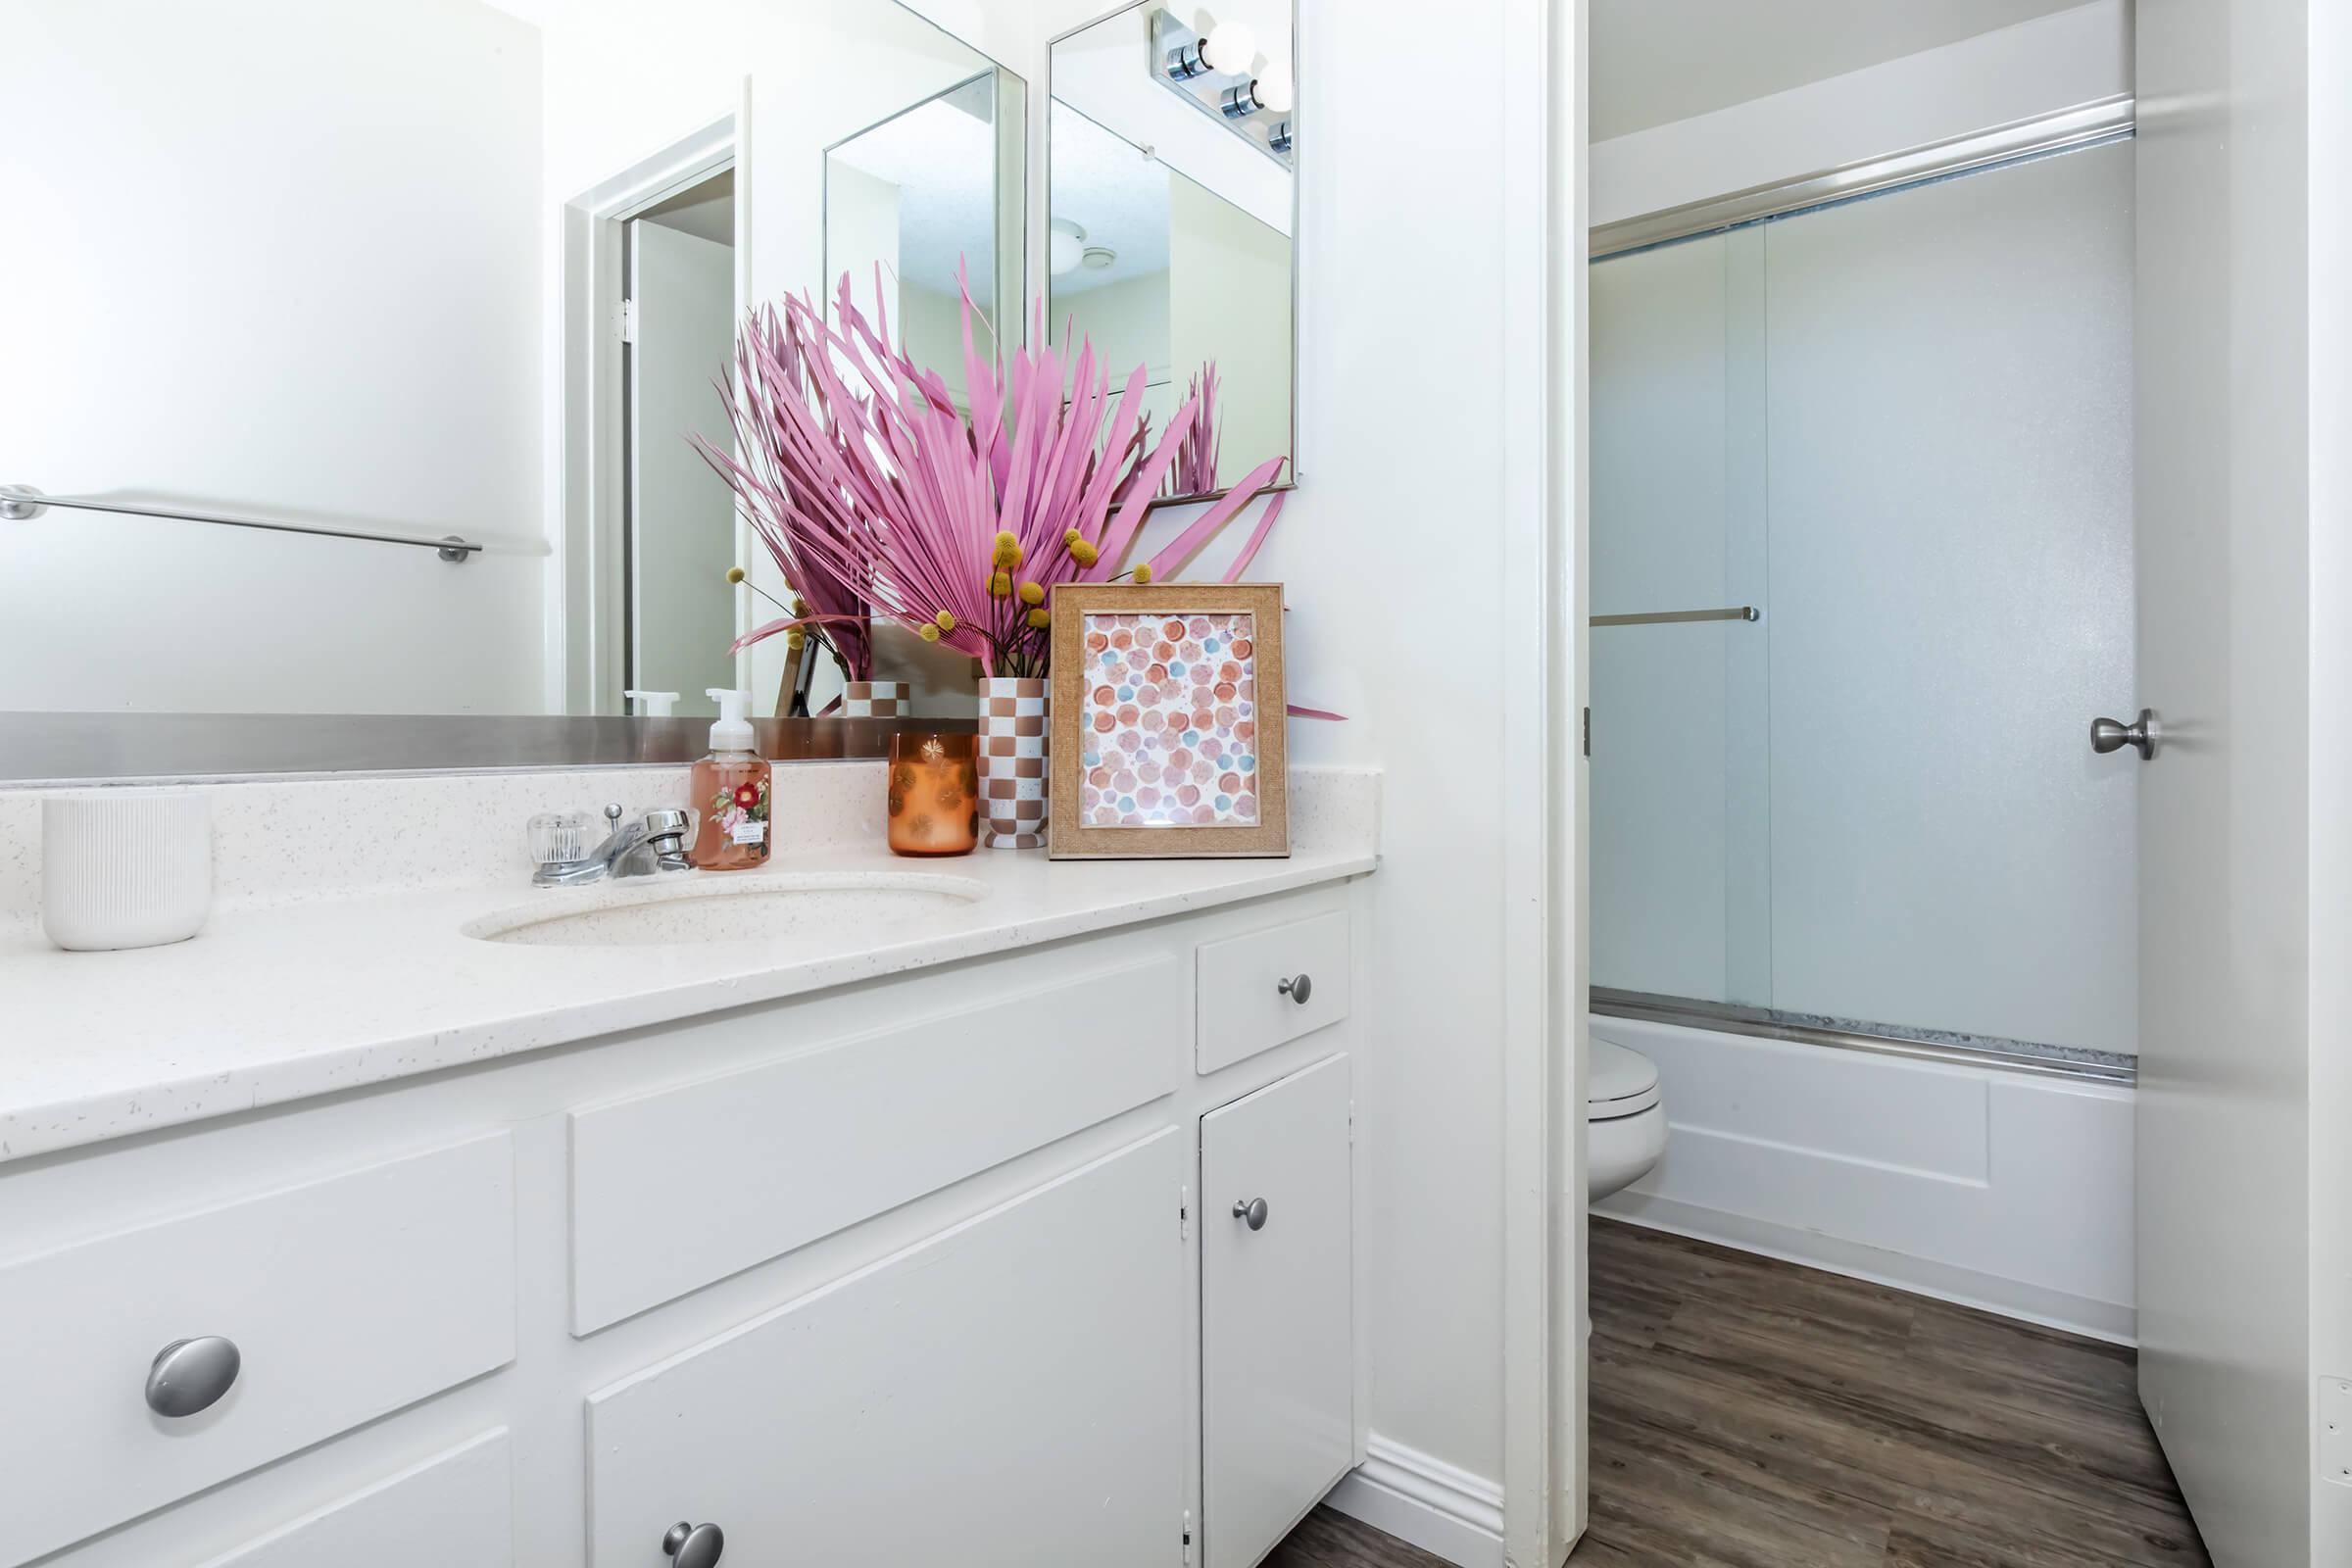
1424,1502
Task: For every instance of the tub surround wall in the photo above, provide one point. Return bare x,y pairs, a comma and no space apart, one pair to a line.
2003,1190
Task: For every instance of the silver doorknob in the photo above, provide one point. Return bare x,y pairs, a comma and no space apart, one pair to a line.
191,1375
1252,1211
2113,735
694,1546
1297,988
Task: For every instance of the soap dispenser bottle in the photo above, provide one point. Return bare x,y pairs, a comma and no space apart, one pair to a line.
731,793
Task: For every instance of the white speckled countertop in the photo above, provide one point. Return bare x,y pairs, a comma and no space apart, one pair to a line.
336,954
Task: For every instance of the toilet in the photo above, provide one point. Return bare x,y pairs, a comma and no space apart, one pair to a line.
1625,1118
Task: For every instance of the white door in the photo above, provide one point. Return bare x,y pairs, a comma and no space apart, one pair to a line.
1008,1394
2224,562
1277,1342
681,525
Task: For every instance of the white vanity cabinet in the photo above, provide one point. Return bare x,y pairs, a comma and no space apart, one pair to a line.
940,1267
1277,1364
1006,1394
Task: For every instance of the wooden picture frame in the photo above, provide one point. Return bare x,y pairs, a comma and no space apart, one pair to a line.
1236,782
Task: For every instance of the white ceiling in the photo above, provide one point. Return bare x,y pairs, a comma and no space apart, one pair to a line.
1656,61
942,157
1112,190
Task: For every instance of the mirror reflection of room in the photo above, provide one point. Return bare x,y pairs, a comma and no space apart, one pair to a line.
1173,207
430,298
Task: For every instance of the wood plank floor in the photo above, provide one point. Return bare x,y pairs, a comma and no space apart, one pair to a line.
1748,1413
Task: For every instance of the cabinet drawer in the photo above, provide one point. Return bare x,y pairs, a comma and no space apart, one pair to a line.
1008,1394
1277,1319
1243,1008
674,1190
456,1508
346,1299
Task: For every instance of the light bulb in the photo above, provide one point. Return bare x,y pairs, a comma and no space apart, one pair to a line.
1276,93
1231,47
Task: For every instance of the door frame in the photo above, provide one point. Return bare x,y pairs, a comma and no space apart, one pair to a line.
1544,802
591,611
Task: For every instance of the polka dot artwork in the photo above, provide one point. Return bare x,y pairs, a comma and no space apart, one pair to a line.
1169,720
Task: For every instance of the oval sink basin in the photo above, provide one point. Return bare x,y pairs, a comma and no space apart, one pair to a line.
716,907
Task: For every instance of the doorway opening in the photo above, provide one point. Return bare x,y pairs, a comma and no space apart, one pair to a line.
656,274
678,515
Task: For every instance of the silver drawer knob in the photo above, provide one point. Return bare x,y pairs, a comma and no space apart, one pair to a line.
1252,1211
1297,988
191,1375
694,1546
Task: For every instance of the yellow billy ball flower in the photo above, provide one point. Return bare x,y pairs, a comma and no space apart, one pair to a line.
735,574
1039,620
944,620
1033,593
1070,536
1084,554
1143,574
999,584
799,606
927,632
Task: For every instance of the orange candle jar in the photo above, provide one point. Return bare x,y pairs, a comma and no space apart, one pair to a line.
934,794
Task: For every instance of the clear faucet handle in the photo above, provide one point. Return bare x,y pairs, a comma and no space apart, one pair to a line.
559,836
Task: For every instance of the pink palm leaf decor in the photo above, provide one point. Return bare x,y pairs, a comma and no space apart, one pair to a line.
877,496
1195,472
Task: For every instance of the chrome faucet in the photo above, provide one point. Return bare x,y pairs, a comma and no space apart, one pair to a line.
639,849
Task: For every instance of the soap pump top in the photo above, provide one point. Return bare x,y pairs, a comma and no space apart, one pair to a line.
733,731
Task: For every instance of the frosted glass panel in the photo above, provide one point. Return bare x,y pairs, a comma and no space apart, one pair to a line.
1904,428
1951,599
1661,498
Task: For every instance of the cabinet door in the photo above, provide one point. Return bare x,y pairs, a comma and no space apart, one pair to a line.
1007,1395
1277,1326
453,1508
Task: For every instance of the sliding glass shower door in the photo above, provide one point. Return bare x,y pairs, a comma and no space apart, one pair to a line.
1898,430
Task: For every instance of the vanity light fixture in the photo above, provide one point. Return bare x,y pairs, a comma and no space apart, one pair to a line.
1279,138
1272,93
1229,47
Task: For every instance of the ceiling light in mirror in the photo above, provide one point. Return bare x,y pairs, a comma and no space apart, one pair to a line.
1066,246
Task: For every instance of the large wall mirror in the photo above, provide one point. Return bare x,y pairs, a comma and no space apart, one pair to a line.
1172,160
355,348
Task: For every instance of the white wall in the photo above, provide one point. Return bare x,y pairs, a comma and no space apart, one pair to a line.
1393,551
264,276
2017,72
2330,914
1229,300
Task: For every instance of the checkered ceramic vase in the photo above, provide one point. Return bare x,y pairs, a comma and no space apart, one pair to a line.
877,699
1013,762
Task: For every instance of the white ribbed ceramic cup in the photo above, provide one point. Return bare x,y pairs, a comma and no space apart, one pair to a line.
125,867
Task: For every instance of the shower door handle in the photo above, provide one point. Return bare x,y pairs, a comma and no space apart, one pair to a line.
2113,735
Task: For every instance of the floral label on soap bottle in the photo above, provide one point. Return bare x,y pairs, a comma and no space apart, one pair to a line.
742,813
